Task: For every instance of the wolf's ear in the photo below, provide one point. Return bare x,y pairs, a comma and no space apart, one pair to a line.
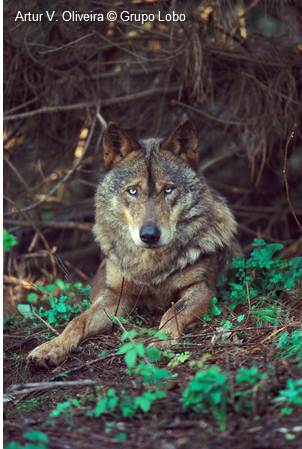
183,142
116,144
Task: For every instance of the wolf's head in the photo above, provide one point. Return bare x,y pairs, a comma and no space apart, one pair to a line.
151,197
150,183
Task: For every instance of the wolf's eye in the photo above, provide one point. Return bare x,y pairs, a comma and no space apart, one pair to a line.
168,190
132,191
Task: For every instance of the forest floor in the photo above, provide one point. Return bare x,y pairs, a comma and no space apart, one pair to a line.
167,425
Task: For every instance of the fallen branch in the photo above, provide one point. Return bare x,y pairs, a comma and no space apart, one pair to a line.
86,227
87,104
18,389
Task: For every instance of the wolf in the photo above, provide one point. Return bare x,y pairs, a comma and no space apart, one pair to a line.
164,233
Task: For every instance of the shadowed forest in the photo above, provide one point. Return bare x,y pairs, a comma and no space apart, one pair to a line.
234,68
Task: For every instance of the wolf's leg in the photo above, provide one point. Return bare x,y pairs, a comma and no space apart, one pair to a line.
193,304
90,322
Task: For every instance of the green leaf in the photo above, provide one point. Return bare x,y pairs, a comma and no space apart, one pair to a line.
25,310
100,408
61,284
37,436
130,358
125,348
144,403
228,325
178,359
153,354
32,297
9,241
286,410
121,437
62,308
140,349
129,335
50,288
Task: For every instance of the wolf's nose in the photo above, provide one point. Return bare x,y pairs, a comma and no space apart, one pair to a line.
149,234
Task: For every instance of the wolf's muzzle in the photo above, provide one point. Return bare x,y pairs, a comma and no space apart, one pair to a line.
149,234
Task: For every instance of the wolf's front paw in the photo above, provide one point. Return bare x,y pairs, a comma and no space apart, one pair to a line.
47,355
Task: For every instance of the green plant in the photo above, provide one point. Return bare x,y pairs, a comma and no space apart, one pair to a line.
262,275
106,404
148,374
60,310
256,281
59,285
179,359
248,382
26,311
272,314
140,359
121,437
290,345
213,311
61,307
65,408
36,440
207,393
113,427
9,240
32,297
29,405
290,397
9,321
132,349
58,289
128,404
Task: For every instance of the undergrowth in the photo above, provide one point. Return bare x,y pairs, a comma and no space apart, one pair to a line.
63,301
257,290
259,284
211,392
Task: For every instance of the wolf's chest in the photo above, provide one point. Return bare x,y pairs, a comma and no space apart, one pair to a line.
157,298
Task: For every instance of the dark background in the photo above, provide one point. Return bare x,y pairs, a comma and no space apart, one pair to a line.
234,68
